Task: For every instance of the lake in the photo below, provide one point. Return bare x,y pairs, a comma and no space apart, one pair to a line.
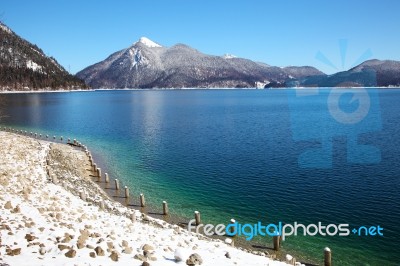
252,155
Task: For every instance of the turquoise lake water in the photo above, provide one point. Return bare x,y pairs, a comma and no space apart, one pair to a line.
235,154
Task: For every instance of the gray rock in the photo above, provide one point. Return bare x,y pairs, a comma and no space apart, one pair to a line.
140,257
71,253
62,247
8,205
114,256
99,251
194,259
42,251
147,247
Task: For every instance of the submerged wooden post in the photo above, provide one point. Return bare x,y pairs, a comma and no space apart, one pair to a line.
232,221
116,184
327,257
197,217
98,174
165,207
276,243
47,136
142,201
107,178
54,137
61,138
126,192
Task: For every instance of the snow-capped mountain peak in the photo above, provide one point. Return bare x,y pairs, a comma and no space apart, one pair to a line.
148,42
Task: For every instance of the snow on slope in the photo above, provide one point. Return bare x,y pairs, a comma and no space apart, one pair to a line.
32,65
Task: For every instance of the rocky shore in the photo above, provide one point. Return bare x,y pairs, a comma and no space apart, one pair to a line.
45,221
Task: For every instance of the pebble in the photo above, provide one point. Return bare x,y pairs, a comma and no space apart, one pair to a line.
71,253
99,251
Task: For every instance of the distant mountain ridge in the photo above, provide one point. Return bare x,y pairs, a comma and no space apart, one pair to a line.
147,64
24,66
371,73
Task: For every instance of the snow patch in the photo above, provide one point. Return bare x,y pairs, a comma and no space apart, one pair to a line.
137,58
32,65
148,42
229,56
5,28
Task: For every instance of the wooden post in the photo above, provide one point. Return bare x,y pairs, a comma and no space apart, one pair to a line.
232,221
47,136
94,167
107,178
165,207
74,141
98,174
327,257
102,205
276,243
61,138
142,201
116,184
82,195
133,217
197,217
126,192
40,135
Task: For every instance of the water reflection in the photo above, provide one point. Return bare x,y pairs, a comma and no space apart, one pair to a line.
2,107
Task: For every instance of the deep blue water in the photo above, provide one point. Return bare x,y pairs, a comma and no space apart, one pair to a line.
235,154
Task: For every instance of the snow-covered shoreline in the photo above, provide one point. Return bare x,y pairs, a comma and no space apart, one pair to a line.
44,222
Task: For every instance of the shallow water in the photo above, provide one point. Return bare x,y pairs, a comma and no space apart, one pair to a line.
235,154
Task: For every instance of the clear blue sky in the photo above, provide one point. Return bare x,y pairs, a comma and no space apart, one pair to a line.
281,33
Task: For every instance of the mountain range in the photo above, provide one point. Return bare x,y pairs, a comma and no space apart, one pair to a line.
24,66
147,64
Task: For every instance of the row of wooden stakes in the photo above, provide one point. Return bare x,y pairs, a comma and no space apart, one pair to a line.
98,174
